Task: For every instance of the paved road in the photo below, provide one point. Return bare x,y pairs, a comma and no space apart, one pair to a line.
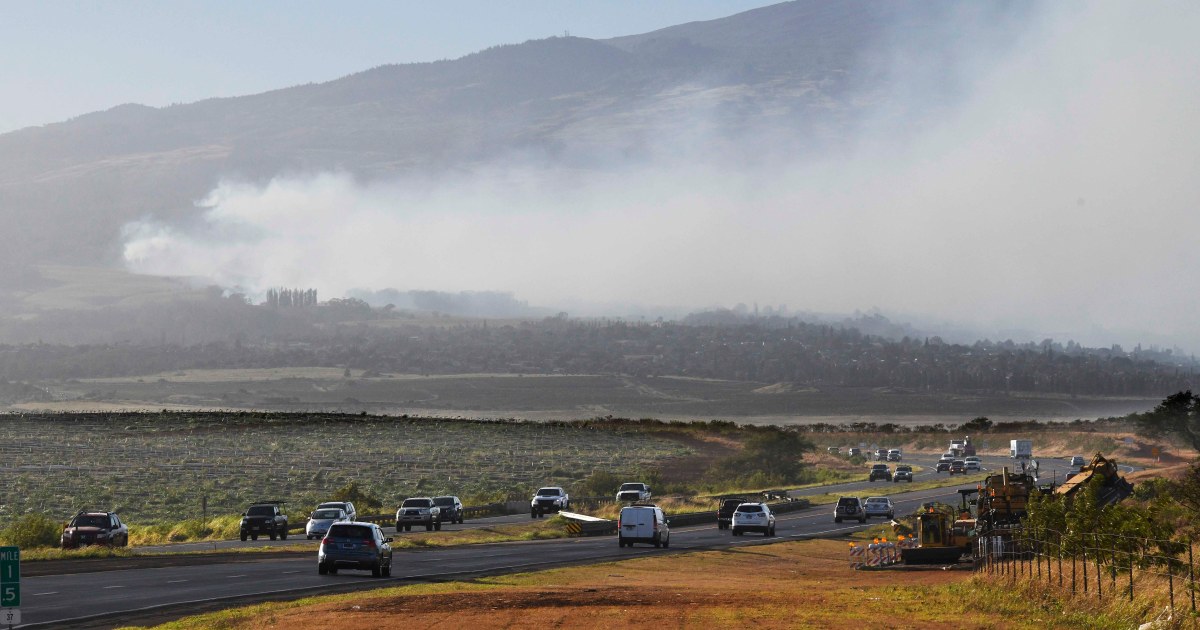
112,597
1051,470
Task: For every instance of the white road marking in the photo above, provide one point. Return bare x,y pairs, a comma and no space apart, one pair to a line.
46,593
115,586
175,581
236,576
287,572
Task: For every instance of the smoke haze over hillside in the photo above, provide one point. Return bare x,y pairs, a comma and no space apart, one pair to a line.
1057,193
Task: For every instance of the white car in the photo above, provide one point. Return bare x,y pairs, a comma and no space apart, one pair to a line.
630,492
345,506
549,500
320,520
972,465
644,524
753,517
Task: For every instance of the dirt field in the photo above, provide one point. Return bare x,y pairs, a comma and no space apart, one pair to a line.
787,585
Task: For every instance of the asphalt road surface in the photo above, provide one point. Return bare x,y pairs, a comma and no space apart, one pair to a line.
109,598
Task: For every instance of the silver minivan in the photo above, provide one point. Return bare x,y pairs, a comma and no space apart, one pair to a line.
645,524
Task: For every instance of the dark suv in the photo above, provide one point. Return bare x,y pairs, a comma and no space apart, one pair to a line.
452,509
355,546
880,471
95,528
849,507
725,511
264,518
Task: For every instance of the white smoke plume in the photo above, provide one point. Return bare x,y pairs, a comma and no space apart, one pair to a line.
1059,195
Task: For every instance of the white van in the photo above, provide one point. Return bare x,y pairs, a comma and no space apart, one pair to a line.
643,523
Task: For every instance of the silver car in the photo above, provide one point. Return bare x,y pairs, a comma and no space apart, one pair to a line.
879,506
320,520
418,511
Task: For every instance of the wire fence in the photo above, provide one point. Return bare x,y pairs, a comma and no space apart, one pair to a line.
1099,565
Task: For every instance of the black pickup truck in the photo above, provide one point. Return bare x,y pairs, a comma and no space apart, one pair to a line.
264,518
725,511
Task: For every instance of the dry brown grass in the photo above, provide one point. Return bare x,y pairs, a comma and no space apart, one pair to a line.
787,585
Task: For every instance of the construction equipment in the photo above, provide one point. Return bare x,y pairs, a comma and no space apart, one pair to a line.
1113,487
944,534
1004,499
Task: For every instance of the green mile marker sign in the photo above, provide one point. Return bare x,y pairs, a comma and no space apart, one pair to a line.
10,577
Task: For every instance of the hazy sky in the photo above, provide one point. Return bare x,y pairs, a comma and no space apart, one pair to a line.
1057,196
63,59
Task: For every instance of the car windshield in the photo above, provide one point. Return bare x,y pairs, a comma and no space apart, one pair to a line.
904,469
320,514
333,506
417,503
90,520
749,508
449,501
877,500
359,532
261,510
880,467
630,486
550,492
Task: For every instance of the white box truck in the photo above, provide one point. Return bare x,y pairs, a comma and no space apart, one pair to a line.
1020,449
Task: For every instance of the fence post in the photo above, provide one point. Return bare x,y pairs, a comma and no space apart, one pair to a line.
1072,573
1171,584
1085,577
1060,565
1191,575
1099,579
1130,577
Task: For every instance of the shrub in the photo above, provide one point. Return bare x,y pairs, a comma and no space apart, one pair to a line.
33,530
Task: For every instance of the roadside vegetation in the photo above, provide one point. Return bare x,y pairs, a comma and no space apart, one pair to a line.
785,585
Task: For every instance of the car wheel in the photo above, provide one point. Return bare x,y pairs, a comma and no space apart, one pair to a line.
438,526
862,520
283,535
657,543
532,513
273,536
837,519
387,570
253,536
243,537
308,537
376,571
667,542
399,527
332,570
321,569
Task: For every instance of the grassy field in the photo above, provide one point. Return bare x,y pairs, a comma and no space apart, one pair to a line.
551,397
158,467
786,585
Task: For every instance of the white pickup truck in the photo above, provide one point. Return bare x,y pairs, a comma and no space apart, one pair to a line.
547,500
633,492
